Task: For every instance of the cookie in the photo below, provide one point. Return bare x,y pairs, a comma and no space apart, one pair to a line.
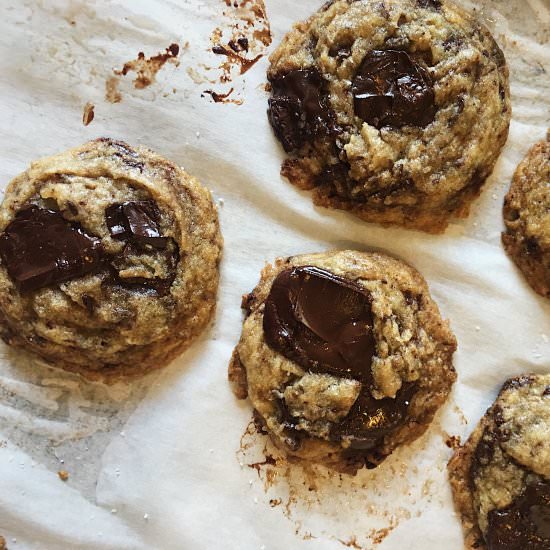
109,260
527,218
501,476
344,357
394,110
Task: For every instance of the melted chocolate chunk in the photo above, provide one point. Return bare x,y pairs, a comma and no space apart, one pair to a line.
299,110
39,248
524,524
391,89
321,321
136,221
371,419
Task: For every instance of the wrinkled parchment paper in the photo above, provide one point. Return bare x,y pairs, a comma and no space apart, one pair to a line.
159,463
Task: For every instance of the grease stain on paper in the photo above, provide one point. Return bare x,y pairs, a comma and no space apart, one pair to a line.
301,491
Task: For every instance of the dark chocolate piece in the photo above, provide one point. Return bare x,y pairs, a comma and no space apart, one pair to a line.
371,419
39,248
391,89
136,221
299,109
321,321
524,524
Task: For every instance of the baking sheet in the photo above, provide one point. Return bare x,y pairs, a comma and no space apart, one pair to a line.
166,462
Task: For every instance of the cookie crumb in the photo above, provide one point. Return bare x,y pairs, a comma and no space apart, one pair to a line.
3,543
88,114
63,475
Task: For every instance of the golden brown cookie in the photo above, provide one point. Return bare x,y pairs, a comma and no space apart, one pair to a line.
527,218
501,476
344,356
396,111
109,260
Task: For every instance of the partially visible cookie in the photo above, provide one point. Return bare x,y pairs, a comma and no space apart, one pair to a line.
109,259
527,218
396,111
344,357
501,477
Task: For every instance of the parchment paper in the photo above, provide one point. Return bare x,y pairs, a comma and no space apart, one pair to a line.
159,462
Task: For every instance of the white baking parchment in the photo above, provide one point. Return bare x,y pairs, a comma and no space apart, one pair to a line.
166,462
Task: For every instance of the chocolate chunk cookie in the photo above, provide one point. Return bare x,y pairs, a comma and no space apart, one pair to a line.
344,356
527,218
501,477
109,259
396,111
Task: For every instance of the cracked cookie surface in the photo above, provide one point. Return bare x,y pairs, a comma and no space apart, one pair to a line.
344,356
501,476
109,259
527,218
395,110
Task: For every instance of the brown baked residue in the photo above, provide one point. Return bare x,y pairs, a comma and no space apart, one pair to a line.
269,461
223,98
241,43
453,442
233,58
146,69
88,114
3,543
295,488
351,543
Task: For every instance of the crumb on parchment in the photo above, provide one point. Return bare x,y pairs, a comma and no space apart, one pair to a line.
88,114
63,475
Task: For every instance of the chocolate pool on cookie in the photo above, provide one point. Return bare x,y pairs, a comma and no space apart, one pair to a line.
344,357
109,260
396,111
